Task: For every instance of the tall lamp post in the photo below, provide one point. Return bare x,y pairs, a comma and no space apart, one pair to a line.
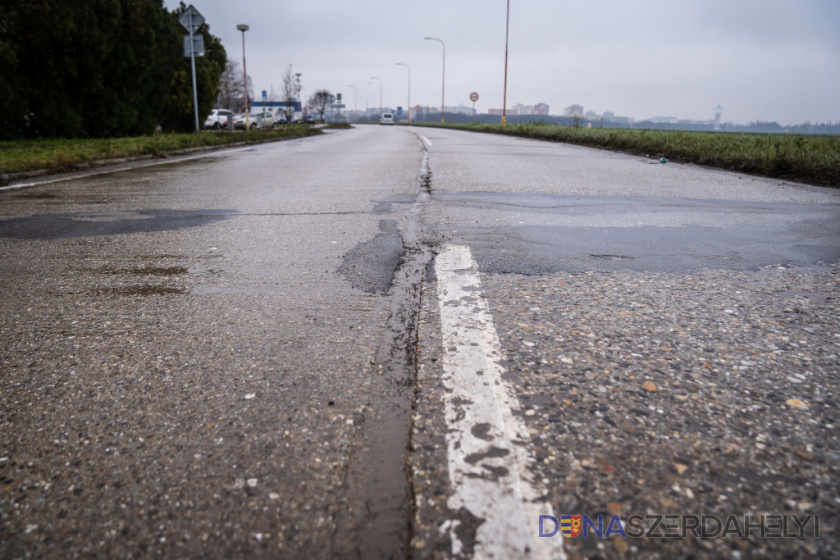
297,92
355,113
380,93
408,107
243,28
443,83
504,95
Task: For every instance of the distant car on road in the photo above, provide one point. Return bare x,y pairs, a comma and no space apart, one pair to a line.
218,118
386,118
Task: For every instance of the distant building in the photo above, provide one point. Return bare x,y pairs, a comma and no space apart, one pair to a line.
435,109
573,111
494,111
591,115
663,120
718,113
541,109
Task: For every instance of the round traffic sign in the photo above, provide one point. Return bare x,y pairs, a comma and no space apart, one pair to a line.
473,97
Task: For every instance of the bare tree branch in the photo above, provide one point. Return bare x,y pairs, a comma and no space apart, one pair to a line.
320,101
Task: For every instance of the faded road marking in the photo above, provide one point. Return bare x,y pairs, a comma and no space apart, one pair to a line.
487,442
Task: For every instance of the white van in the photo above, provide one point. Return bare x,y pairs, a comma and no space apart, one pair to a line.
386,118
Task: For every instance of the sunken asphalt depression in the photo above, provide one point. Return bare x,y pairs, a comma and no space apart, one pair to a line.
406,342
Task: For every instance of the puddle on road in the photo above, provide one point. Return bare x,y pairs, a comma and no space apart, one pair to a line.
37,196
140,290
150,271
385,205
91,224
146,289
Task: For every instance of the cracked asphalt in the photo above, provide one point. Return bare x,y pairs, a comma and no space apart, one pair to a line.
242,355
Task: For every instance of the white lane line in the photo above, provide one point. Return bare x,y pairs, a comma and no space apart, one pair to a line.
487,443
426,141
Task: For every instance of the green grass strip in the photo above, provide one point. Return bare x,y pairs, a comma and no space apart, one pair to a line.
807,159
64,155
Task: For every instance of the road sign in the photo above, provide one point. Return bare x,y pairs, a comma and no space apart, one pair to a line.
399,111
473,97
195,46
191,19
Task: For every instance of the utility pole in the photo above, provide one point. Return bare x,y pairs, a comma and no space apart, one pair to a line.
504,96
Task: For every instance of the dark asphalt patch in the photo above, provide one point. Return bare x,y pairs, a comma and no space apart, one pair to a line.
91,224
533,250
371,265
578,205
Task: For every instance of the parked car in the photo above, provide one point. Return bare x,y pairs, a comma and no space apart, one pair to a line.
239,120
263,119
386,118
218,118
280,117
309,119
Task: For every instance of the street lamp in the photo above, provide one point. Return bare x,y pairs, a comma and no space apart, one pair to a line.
408,108
443,84
380,94
297,93
243,28
355,113
504,96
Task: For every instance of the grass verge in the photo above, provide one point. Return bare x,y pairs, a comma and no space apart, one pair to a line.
64,155
806,159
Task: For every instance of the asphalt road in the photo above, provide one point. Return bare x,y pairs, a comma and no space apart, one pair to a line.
389,342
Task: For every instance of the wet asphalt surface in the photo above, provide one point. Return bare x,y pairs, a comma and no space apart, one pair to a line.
185,365
240,355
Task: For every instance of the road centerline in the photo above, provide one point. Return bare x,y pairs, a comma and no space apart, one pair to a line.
487,441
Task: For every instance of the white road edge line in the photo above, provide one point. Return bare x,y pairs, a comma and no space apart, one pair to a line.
488,445
426,141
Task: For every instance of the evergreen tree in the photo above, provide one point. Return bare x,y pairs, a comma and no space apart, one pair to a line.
99,68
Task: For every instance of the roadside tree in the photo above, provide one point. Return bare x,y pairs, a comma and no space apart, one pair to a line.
93,68
231,92
99,68
320,101
291,91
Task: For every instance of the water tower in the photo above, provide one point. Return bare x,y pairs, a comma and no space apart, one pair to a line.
718,111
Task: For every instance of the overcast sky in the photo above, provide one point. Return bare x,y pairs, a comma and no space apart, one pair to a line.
769,60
